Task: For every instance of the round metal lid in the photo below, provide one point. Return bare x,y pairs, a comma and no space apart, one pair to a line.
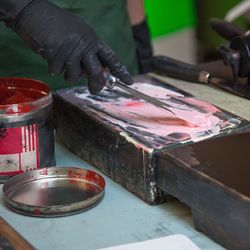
54,191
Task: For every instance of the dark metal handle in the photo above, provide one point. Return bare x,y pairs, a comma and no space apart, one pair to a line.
177,69
225,29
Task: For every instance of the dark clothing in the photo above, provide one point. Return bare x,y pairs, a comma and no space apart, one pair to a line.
110,20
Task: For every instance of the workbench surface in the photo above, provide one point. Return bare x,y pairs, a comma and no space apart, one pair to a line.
121,217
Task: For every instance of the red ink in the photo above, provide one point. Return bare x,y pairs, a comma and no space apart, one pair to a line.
17,95
73,174
133,104
14,97
37,211
94,177
88,175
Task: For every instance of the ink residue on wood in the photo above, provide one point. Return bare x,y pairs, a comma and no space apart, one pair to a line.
150,125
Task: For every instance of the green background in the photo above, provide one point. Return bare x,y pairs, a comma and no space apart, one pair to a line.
167,16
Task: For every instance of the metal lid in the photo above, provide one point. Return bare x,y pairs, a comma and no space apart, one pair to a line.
54,191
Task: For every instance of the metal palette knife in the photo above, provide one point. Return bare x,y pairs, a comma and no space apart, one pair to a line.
113,81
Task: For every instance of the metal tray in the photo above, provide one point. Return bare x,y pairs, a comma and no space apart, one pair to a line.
54,191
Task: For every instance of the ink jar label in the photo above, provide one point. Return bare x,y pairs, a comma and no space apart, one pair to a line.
19,149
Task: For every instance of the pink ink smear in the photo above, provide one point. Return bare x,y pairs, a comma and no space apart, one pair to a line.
194,119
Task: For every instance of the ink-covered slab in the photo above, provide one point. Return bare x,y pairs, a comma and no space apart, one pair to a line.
213,178
120,134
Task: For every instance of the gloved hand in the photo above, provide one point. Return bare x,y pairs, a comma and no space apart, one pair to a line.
65,41
144,50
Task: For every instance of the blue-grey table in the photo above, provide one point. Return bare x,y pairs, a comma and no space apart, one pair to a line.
120,218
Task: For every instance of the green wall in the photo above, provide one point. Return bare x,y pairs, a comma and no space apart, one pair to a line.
218,9
167,16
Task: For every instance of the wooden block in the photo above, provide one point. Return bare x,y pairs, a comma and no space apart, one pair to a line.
121,135
10,239
213,178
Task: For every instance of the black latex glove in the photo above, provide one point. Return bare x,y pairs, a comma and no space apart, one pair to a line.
65,41
144,51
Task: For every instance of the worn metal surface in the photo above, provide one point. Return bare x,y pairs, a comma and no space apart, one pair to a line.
53,192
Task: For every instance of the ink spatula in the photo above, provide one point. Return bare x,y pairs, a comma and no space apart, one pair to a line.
113,81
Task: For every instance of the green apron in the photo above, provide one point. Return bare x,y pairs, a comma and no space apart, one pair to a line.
110,20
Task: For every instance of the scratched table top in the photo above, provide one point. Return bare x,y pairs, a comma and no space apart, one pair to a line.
121,217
